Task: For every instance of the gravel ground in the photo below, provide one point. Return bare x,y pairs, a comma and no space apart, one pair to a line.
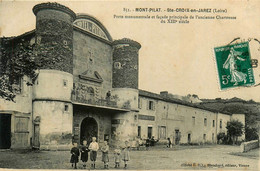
210,157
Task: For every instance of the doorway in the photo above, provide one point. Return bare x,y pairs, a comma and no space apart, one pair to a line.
149,133
189,139
5,131
88,129
177,136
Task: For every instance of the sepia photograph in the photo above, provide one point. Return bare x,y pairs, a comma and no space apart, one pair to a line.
129,85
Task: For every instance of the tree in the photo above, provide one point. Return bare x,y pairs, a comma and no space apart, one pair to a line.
251,133
18,58
234,129
222,138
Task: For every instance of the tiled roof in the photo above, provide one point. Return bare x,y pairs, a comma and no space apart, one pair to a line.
152,95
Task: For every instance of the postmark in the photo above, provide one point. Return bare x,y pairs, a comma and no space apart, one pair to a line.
234,65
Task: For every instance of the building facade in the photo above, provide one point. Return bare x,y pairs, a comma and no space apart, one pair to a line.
88,87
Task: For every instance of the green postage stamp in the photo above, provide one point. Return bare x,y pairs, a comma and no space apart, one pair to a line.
234,65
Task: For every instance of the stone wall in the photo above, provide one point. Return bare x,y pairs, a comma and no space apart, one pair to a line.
247,146
102,117
90,56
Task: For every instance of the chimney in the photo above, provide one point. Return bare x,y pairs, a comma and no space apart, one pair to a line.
164,93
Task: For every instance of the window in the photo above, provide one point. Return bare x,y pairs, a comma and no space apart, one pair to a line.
139,103
220,123
213,123
205,121
65,83
204,137
162,132
193,120
65,42
17,84
177,136
139,131
150,105
66,108
135,117
117,65
213,138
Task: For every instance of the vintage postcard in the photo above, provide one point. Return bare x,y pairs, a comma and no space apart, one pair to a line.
129,85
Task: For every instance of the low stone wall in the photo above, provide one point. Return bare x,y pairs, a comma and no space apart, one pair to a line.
247,146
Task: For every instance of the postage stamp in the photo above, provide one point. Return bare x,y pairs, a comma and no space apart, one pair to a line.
234,65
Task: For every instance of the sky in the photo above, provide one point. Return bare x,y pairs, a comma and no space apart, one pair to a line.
177,58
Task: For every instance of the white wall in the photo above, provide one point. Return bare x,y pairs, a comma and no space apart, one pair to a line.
23,100
50,85
126,95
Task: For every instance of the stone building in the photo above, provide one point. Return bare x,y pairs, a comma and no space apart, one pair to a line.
89,87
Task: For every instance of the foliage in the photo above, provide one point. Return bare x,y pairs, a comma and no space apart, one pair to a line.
17,59
234,129
251,134
222,138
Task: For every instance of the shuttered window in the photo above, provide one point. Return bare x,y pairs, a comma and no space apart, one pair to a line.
150,105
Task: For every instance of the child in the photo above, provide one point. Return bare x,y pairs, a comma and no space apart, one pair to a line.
84,153
93,147
105,158
117,157
125,154
74,155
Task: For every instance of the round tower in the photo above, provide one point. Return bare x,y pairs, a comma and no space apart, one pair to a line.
54,84
125,87
125,63
54,35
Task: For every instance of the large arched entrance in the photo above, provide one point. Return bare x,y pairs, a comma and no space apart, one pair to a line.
88,129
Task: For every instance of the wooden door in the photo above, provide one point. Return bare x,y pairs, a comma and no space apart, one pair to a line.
36,140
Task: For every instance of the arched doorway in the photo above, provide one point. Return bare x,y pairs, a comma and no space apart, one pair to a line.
88,129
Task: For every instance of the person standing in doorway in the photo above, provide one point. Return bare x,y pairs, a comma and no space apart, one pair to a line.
84,153
105,158
93,147
74,155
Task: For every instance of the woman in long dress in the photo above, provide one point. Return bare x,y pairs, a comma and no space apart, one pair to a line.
74,155
105,158
125,154
230,63
84,153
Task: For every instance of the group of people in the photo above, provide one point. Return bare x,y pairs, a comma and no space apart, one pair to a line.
93,149
144,142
